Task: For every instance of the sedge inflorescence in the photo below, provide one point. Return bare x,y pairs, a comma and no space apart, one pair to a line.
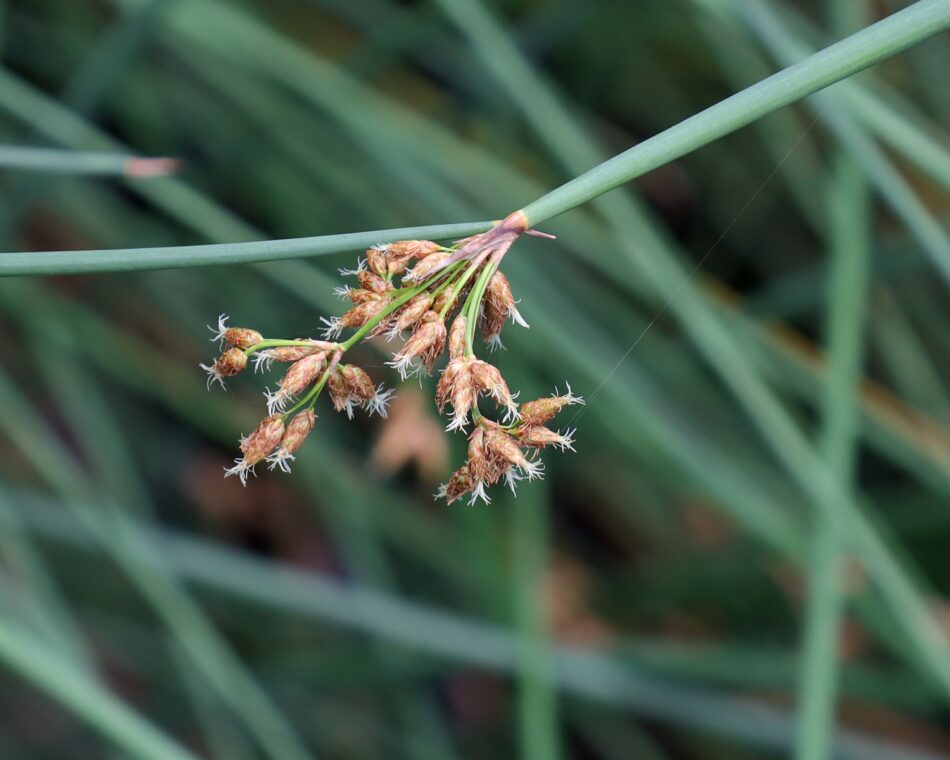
438,298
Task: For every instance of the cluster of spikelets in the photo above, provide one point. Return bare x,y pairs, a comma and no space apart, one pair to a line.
460,286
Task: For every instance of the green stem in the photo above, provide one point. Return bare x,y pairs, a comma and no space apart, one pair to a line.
457,288
472,304
406,295
276,343
51,160
448,281
398,301
539,733
850,246
470,309
310,398
137,259
871,45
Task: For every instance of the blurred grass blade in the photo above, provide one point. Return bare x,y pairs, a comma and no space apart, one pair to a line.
794,451
210,654
111,55
224,742
849,246
891,117
116,721
877,42
592,675
27,159
52,616
340,609
890,184
539,734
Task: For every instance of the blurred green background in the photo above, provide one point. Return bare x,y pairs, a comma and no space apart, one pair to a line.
651,597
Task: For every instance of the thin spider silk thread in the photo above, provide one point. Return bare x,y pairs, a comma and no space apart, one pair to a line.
626,354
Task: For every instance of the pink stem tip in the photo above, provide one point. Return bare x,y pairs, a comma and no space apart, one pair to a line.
151,167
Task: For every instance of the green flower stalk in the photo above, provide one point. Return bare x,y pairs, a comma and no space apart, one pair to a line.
460,284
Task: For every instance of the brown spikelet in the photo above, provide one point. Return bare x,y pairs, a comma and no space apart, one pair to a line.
539,411
479,461
263,440
297,431
412,249
426,265
542,410
539,436
291,353
437,345
241,337
447,301
496,306
492,321
499,443
499,292
459,484
373,282
488,379
376,260
446,385
425,344
463,400
231,362
400,254
302,373
362,295
412,312
362,313
358,384
457,340
338,390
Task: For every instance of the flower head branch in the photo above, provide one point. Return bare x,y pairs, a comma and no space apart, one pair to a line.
442,297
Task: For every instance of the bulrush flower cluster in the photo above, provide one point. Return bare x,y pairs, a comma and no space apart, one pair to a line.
433,297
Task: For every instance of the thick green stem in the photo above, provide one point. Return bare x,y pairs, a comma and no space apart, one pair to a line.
877,42
134,259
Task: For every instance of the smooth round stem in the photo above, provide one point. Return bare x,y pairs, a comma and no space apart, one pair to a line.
136,259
